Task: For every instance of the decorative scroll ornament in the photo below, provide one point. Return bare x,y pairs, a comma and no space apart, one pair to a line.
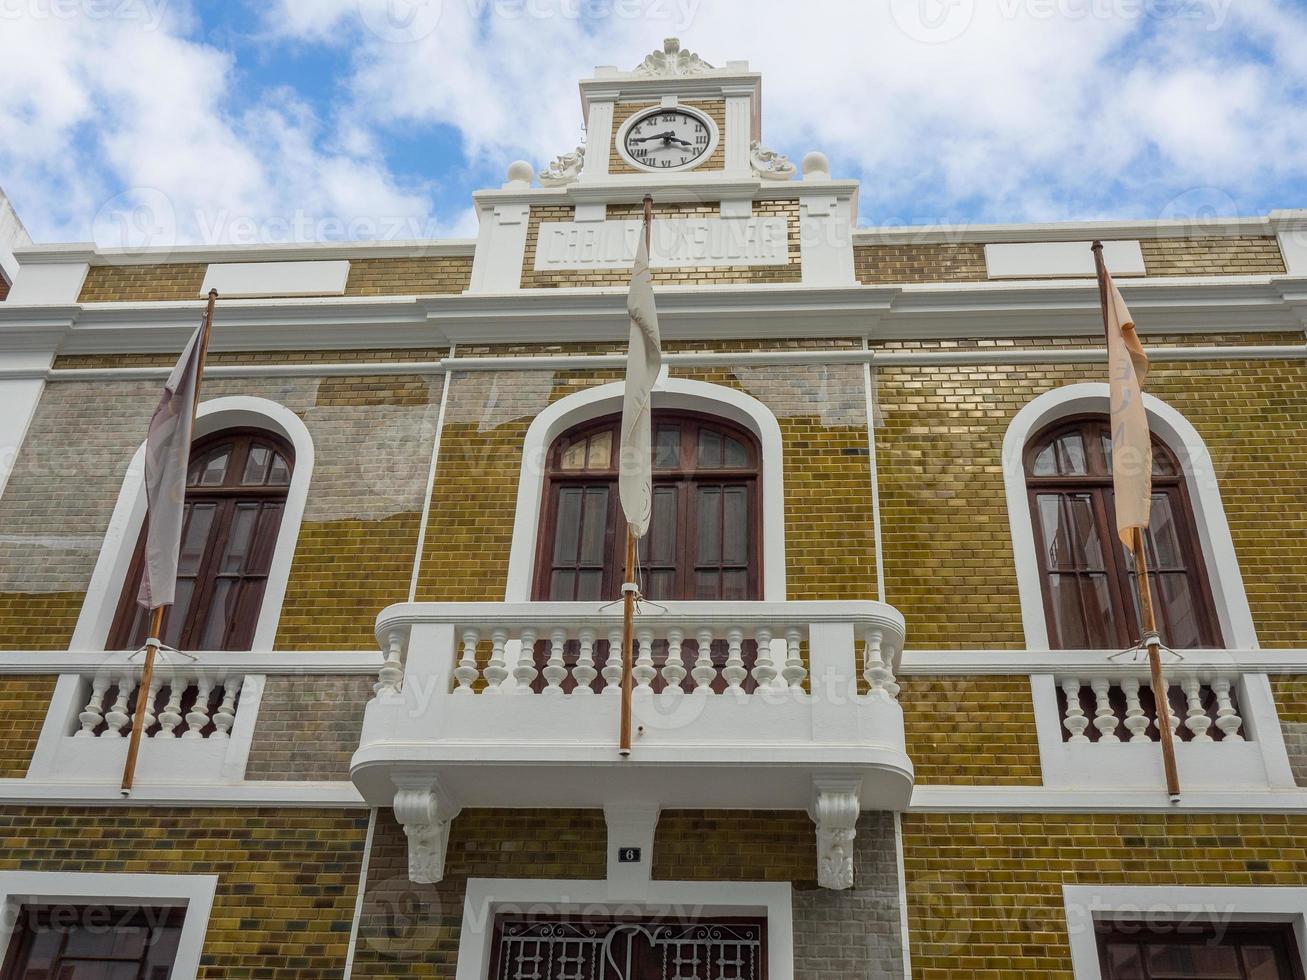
835,812
768,164
672,61
565,169
426,824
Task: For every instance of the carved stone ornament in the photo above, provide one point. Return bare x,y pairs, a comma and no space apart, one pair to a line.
768,164
565,169
672,61
835,811
426,824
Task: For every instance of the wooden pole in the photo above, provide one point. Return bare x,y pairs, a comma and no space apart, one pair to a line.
629,584
1162,704
156,615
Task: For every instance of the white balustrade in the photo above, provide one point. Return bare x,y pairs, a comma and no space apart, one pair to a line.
1208,699
189,699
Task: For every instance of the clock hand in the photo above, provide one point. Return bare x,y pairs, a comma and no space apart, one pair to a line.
655,136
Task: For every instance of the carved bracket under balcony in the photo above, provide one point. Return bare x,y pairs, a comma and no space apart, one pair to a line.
835,809
425,814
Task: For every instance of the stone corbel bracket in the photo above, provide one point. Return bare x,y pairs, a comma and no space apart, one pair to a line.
835,810
425,813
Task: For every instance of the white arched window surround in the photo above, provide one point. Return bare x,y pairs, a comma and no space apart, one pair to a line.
1204,494
669,394
109,577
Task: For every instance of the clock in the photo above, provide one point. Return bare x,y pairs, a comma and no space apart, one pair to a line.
667,139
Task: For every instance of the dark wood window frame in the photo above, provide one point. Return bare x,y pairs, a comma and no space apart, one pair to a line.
1096,484
1132,960
64,935
231,494
684,476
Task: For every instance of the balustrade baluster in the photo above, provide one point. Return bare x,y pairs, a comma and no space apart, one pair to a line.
171,715
1136,719
585,670
198,717
764,668
391,674
497,669
1075,720
525,672
873,665
1196,719
147,705
118,716
225,716
466,672
704,672
643,670
892,684
1104,716
613,665
795,672
1227,719
734,671
555,671
92,715
674,666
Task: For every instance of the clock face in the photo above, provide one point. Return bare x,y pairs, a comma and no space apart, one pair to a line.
667,139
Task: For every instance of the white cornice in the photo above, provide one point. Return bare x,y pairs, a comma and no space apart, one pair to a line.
1067,231
691,187
310,251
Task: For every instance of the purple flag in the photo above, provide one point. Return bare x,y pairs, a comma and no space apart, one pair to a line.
167,454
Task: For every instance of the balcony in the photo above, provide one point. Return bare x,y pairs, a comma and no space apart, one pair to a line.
748,705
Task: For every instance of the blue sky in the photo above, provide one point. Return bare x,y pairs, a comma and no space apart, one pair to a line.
137,122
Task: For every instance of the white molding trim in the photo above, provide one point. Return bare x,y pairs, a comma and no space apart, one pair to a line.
1086,904
107,580
669,393
1044,799
486,897
193,892
254,793
1200,476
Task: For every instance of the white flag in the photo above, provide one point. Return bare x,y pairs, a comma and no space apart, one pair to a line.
167,454
1132,446
643,362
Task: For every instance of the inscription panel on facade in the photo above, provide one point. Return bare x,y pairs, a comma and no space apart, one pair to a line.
674,243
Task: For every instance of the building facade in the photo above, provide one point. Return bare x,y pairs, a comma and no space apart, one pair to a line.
885,726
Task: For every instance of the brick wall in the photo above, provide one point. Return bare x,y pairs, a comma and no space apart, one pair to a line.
23,704
1291,704
970,731
308,726
412,930
984,891
161,282
708,275
964,262
4,287
715,109
287,879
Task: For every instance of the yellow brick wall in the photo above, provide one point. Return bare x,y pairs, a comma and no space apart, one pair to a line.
821,411
367,277
948,553
985,890
963,262
23,704
715,109
735,845
970,731
287,879
792,271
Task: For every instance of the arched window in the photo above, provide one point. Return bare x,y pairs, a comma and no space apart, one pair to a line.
703,540
1088,577
235,496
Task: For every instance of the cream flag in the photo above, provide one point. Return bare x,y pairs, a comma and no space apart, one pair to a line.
167,453
643,362
1132,447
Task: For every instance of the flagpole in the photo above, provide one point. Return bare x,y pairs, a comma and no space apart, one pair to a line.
1161,703
629,584
156,614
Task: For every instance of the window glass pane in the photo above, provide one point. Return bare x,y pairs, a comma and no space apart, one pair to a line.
221,606
1167,960
659,547
600,454
710,448
1162,465
1045,464
708,532
212,470
1071,455
279,476
259,559
573,457
735,585
1163,534
594,523
1179,618
175,618
239,538
667,447
562,585
589,585
706,585
257,464
1124,962
1089,549
735,453
1057,545
735,526
195,536
1261,963
658,583
567,532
